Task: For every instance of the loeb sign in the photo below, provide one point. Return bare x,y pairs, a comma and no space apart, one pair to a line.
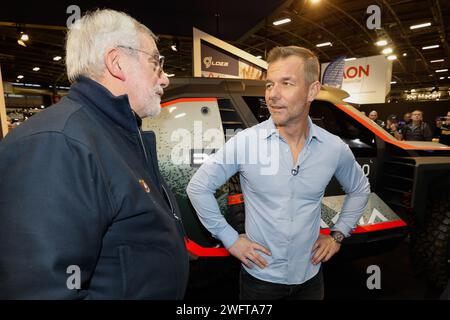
367,80
215,58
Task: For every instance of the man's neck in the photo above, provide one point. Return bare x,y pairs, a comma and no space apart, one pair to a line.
295,133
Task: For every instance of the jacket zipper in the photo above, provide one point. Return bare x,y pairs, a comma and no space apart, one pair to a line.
173,212
165,191
143,146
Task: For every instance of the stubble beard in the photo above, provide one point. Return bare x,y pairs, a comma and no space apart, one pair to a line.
152,102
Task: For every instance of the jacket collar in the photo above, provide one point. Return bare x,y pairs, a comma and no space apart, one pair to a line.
118,109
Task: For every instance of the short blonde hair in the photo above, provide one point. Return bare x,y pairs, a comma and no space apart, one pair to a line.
311,66
96,32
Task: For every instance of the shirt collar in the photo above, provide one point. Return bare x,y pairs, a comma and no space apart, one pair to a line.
271,129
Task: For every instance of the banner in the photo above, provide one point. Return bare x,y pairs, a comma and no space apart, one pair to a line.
217,59
367,80
334,73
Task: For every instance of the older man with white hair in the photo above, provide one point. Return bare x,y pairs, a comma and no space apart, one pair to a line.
84,211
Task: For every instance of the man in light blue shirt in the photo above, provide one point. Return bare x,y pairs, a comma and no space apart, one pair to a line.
285,164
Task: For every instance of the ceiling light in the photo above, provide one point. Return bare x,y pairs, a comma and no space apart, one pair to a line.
324,44
20,76
282,21
442,70
387,51
422,25
439,60
430,47
413,90
258,57
381,43
23,44
57,58
175,44
441,78
392,57
350,59
393,82
169,75
24,37
36,69
405,54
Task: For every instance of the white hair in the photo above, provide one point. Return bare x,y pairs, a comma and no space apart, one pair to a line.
96,32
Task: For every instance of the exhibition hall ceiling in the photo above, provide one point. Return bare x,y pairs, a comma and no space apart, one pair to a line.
339,27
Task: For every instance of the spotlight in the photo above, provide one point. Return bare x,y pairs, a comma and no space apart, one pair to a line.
175,44
20,42
22,36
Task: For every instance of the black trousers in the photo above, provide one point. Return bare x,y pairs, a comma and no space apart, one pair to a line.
252,288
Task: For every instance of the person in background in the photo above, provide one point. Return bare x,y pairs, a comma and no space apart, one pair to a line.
439,121
444,135
88,214
417,130
406,120
392,126
56,99
373,115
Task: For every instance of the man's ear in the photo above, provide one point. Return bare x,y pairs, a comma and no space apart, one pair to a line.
112,62
313,90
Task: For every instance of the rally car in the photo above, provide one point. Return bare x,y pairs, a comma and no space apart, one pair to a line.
410,181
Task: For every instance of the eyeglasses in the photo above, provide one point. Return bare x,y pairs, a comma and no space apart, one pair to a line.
157,59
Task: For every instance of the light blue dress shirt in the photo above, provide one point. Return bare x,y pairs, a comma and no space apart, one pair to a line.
282,207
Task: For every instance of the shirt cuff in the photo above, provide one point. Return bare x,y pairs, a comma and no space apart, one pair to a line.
228,236
342,228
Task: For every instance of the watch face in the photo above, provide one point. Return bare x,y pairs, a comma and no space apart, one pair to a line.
338,236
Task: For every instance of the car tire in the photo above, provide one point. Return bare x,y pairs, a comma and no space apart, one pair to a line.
430,245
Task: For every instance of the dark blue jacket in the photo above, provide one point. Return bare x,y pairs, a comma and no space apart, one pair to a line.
77,189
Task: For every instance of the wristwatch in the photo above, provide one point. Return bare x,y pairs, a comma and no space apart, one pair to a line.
337,236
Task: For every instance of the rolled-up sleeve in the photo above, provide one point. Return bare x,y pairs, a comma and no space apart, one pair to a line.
356,186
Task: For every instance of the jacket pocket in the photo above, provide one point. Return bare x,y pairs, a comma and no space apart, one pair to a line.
148,272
